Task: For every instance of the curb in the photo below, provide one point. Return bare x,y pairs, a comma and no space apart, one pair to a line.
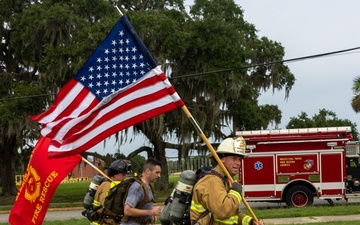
313,219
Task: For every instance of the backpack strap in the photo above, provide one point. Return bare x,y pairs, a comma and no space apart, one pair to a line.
146,192
202,215
141,204
224,179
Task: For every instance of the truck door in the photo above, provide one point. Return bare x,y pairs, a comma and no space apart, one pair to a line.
332,174
258,174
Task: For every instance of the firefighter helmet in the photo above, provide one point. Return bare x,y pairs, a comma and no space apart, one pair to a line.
232,146
119,166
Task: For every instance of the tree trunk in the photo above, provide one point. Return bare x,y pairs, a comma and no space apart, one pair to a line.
6,171
159,153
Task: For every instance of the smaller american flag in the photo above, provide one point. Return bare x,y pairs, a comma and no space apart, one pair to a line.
120,85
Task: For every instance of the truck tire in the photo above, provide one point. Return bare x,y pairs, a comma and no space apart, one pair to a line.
299,196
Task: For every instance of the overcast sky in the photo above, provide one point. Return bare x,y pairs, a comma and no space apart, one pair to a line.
310,27
304,28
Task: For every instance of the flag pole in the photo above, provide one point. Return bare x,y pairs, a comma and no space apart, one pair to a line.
119,10
97,169
215,155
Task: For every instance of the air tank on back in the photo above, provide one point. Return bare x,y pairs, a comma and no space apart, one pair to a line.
182,196
165,213
89,196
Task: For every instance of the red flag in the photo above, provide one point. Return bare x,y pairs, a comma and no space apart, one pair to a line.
120,85
41,179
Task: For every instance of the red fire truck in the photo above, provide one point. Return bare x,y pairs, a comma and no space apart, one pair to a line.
297,165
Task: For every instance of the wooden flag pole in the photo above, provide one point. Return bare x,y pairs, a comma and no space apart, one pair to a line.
218,160
97,169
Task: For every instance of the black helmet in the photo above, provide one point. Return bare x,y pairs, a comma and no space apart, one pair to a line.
119,166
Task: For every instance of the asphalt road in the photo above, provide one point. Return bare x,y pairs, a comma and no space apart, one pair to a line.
76,214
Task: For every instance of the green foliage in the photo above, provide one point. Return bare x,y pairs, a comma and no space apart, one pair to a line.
46,42
355,102
43,44
218,39
248,115
270,114
137,162
325,118
16,129
48,37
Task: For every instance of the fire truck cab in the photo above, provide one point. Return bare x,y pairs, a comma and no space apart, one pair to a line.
297,165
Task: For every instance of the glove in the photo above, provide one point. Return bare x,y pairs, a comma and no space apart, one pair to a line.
237,187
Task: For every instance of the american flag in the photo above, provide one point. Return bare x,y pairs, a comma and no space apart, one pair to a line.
120,85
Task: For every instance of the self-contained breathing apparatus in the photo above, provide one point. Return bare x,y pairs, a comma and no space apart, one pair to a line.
91,212
177,205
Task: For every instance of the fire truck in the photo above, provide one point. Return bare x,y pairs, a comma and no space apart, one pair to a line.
296,166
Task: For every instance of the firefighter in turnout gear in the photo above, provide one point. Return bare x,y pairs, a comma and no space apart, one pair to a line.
215,200
117,173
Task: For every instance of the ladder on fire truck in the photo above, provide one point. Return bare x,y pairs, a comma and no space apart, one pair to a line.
329,135
299,131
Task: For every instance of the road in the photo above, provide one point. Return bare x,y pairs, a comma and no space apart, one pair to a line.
52,215
76,213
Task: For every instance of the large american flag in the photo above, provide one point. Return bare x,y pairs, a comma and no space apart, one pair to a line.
120,85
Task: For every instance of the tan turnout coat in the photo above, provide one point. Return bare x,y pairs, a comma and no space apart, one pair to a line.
211,193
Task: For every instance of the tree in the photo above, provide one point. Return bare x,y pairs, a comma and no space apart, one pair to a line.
46,42
136,164
248,115
16,130
355,102
215,48
325,118
42,47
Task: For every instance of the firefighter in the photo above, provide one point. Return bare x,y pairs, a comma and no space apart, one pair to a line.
215,200
117,173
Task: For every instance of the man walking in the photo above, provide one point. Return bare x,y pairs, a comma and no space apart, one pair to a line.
118,171
138,207
215,201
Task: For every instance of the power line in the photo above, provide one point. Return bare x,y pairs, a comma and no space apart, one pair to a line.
270,63
22,97
225,70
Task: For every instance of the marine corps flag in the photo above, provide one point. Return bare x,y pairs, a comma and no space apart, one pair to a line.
41,179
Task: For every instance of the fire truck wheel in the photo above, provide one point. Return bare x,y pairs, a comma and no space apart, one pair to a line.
299,196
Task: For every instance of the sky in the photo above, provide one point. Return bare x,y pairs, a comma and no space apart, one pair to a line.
303,28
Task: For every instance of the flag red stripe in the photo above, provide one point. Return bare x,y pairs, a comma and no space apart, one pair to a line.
55,129
111,114
78,101
143,109
58,100
67,127
121,108
77,131
111,130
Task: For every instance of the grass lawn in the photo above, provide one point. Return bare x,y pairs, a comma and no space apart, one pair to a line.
324,210
268,213
86,222
72,194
